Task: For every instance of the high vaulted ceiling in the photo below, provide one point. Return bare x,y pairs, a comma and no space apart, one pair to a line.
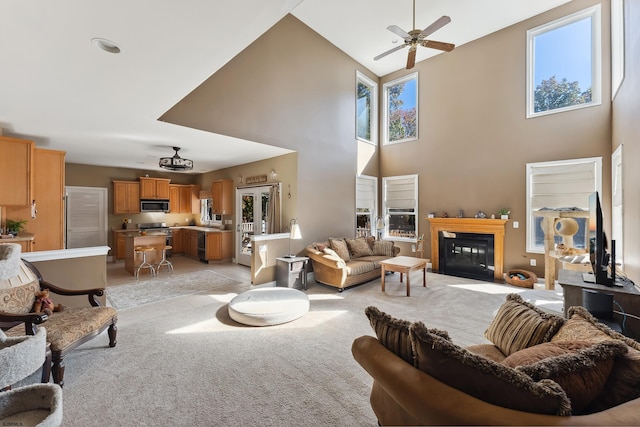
58,89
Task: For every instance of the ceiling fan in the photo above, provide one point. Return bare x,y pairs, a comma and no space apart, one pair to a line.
415,37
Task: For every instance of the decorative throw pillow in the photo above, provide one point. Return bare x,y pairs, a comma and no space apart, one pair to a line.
581,368
391,332
623,384
519,325
383,248
320,246
340,246
483,378
489,351
331,252
358,247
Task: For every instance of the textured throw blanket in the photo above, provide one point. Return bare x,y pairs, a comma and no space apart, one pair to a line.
9,260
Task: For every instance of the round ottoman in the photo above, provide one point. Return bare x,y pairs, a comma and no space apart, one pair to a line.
268,306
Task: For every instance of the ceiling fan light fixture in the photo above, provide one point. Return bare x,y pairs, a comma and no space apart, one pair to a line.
176,163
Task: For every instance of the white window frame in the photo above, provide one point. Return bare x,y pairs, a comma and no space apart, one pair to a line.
575,179
373,86
617,46
385,111
367,197
412,181
596,59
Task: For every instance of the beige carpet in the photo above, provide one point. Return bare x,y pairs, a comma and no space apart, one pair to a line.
184,362
165,286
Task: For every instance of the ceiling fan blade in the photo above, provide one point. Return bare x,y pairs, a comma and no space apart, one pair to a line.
411,59
382,55
447,47
398,31
439,23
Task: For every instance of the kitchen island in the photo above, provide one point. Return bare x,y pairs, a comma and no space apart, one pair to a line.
133,240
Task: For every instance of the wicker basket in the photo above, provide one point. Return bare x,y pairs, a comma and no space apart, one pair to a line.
530,278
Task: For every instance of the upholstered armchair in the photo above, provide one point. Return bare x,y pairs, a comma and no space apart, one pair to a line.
36,404
67,329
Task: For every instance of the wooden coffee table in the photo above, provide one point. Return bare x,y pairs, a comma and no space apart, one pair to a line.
405,265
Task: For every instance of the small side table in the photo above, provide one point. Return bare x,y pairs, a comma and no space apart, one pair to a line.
292,272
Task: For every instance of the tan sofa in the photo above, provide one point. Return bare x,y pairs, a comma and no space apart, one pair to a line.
437,392
344,262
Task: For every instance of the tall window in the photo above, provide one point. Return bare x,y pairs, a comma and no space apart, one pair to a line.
366,109
563,64
562,184
401,109
617,45
400,207
366,205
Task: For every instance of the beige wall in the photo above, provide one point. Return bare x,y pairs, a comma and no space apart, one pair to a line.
474,140
293,89
626,112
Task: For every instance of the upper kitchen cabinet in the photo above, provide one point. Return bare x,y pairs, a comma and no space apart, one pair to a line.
45,219
48,226
154,188
16,173
184,198
222,197
126,197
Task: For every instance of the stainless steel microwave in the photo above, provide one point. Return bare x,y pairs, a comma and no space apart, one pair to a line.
154,206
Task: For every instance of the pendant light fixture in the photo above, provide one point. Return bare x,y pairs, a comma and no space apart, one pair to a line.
176,163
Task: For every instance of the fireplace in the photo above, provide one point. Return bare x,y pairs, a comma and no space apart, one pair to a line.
467,255
459,226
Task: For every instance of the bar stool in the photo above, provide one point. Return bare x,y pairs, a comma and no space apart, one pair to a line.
164,261
144,264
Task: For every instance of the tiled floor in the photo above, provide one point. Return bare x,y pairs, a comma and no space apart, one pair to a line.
117,275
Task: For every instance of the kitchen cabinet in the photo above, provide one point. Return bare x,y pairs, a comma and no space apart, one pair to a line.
178,241
119,244
222,197
184,198
219,246
48,193
126,197
16,172
154,188
190,242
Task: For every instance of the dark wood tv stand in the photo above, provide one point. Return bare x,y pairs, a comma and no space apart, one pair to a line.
627,296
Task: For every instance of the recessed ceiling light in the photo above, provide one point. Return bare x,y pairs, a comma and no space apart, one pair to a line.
106,45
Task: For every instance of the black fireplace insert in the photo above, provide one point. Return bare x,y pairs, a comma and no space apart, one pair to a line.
469,255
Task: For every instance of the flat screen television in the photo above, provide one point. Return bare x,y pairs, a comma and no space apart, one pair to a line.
598,247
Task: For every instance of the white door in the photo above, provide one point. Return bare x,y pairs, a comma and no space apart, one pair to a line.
251,219
86,217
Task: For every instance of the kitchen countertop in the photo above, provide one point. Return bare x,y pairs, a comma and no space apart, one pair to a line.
135,231
21,237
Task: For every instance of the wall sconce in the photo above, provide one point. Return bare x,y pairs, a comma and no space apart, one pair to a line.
294,234
274,174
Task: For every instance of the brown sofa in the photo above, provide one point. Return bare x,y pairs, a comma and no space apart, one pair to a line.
342,262
437,388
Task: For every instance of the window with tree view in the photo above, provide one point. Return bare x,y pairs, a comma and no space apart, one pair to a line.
563,64
366,109
401,109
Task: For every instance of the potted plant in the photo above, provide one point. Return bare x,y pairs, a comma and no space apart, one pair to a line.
14,227
504,213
